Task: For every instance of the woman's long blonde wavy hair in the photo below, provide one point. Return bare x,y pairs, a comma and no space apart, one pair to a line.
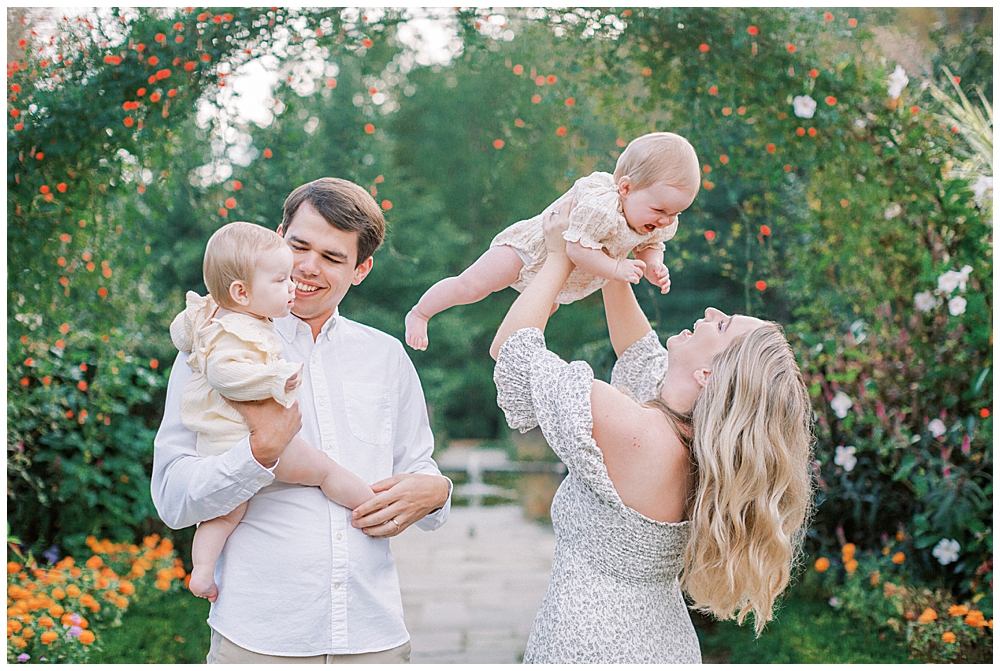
751,497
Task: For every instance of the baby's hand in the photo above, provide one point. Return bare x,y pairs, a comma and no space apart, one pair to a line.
629,270
292,383
658,275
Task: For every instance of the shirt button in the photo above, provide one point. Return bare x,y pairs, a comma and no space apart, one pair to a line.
261,479
336,585
329,446
302,327
322,402
340,537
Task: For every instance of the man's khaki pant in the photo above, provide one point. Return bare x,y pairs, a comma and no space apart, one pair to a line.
224,651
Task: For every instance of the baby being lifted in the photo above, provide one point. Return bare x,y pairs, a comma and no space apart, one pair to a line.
235,354
632,211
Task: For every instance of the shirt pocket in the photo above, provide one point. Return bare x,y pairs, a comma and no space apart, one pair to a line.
368,411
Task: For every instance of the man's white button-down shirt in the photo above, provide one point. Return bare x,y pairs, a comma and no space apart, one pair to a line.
295,578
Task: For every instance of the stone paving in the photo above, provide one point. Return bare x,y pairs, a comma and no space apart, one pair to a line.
471,588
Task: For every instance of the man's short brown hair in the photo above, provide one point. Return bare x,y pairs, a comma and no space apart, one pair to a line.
345,206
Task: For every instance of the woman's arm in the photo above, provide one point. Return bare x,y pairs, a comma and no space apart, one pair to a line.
626,322
534,305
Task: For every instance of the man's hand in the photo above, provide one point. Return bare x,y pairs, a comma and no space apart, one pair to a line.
272,427
658,275
399,502
629,270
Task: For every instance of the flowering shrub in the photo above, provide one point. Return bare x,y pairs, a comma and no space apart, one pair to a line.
875,587
54,610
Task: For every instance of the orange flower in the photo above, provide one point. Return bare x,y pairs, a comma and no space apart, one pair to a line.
154,364
848,551
570,102
713,90
237,185
814,73
752,30
540,80
812,132
822,564
948,637
914,109
726,111
95,562
46,621
223,212
787,167
268,153
741,110
898,558
790,48
86,637
519,123
828,16
55,610
206,58
561,130
760,285
703,48
126,588
58,593
770,148
498,144
518,69
852,23
366,43
72,590
765,230
851,565
387,205
536,98
647,71
160,37
723,159
957,610
13,567
230,203
707,185
927,616
49,636
830,100
18,642
975,619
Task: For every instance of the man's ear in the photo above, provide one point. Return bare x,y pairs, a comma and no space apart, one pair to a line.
239,292
280,230
701,376
361,272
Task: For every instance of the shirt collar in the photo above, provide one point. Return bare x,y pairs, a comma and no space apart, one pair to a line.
289,326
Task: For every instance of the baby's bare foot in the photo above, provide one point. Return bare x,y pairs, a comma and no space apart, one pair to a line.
416,330
203,583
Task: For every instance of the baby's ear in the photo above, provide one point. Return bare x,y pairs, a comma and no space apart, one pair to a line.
624,185
239,292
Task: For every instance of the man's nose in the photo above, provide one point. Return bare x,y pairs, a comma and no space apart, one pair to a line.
306,264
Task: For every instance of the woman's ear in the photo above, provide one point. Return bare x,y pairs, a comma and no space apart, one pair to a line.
701,376
239,292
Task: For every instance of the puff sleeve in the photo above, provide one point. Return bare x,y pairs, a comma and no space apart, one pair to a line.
640,368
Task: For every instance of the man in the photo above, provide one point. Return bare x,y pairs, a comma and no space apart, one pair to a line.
302,579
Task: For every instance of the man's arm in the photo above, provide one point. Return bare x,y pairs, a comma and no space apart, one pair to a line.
416,493
188,489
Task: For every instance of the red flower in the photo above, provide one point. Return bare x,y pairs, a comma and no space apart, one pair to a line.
268,153
171,93
230,203
154,98
82,385
812,132
620,142
741,110
161,38
206,58
366,43
162,74
189,66
760,285
765,230
44,188
15,113
39,156
706,169
178,26
16,88
787,167
852,22
561,130
369,128
770,148
518,69
498,144
237,185
551,79
128,121
25,381
814,73
140,48
713,90
914,109
536,98
153,60
102,292
984,413
223,212
519,123
703,48
723,159
830,100
752,30
65,237
570,102
331,83
227,17
29,362
843,202
22,43
539,80
386,205
202,16
708,186
726,111
19,126
61,187
154,364
646,72
828,16
710,235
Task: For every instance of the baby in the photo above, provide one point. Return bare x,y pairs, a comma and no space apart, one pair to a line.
236,355
635,210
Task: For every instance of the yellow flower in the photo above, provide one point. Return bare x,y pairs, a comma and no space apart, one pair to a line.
927,616
822,564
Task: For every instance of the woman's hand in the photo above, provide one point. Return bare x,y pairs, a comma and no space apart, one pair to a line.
554,224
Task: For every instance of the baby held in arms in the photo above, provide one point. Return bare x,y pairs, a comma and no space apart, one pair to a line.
235,354
632,211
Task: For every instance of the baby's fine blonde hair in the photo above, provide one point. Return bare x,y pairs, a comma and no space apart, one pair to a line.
659,157
232,254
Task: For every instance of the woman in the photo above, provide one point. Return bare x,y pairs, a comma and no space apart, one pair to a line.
693,477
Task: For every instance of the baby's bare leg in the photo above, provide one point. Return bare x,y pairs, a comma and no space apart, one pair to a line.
497,269
300,464
206,547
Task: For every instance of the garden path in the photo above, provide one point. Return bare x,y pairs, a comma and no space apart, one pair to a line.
471,588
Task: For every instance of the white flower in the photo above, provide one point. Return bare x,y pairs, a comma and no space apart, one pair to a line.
956,306
925,301
936,427
946,551
834,601
892,211
841,403
981,187
845,458
897,81
954,279
860,123
804,106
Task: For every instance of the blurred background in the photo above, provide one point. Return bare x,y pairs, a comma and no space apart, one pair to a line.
847,194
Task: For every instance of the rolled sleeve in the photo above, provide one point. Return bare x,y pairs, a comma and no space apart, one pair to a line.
188,489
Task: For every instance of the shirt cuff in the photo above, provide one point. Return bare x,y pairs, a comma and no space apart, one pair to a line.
245,468
433,520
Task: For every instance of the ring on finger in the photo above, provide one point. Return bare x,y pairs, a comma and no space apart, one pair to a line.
393,520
